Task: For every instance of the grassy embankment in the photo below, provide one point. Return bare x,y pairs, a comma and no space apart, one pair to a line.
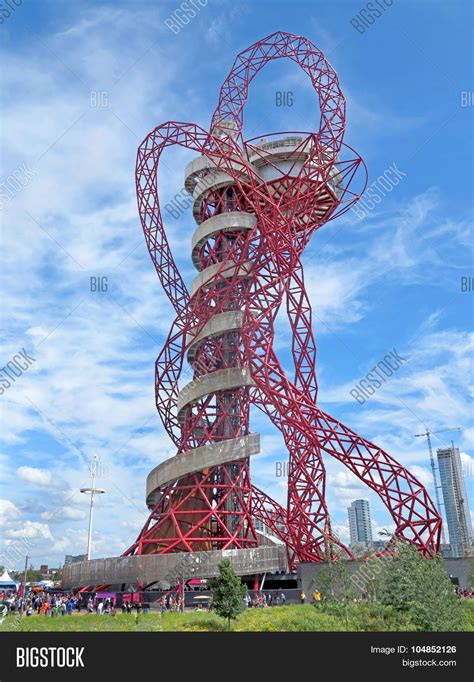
357,617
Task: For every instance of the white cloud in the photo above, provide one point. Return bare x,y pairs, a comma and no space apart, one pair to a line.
62,545
345,487
467,463
39,477
8,512
31,530
66,513
423,474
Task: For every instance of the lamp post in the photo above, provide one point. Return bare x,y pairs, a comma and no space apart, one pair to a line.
25,575
92,491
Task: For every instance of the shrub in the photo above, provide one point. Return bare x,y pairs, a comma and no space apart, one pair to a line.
421,588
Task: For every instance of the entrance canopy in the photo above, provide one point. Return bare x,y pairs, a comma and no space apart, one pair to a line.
6,582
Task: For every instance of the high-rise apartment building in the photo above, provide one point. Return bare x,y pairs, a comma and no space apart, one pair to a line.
456,504
360,525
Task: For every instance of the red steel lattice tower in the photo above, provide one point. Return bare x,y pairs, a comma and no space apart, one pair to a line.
256,205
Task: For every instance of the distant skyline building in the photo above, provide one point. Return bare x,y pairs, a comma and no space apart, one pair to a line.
456,504
445,550
72,558
360,525
261,528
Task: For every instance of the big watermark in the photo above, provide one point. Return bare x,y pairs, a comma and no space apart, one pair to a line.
377,376
184,14
378,190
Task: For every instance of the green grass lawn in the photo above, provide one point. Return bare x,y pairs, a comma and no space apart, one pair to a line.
357,617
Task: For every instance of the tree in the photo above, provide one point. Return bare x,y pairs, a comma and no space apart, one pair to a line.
33,575
228,593
334,582
422,588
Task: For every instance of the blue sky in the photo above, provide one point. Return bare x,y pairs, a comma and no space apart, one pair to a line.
388,279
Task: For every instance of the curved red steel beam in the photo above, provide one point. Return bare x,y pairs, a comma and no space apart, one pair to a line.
247,272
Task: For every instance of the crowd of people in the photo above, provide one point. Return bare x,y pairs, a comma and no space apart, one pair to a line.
465,593
170,602
55,604
102,607
260,600
42,603
64,604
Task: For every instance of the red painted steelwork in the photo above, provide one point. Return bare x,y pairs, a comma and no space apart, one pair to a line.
256,269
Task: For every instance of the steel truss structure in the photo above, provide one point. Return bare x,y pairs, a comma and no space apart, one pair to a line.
256,204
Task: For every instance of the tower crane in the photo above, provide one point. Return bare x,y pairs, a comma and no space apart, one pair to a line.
427,434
